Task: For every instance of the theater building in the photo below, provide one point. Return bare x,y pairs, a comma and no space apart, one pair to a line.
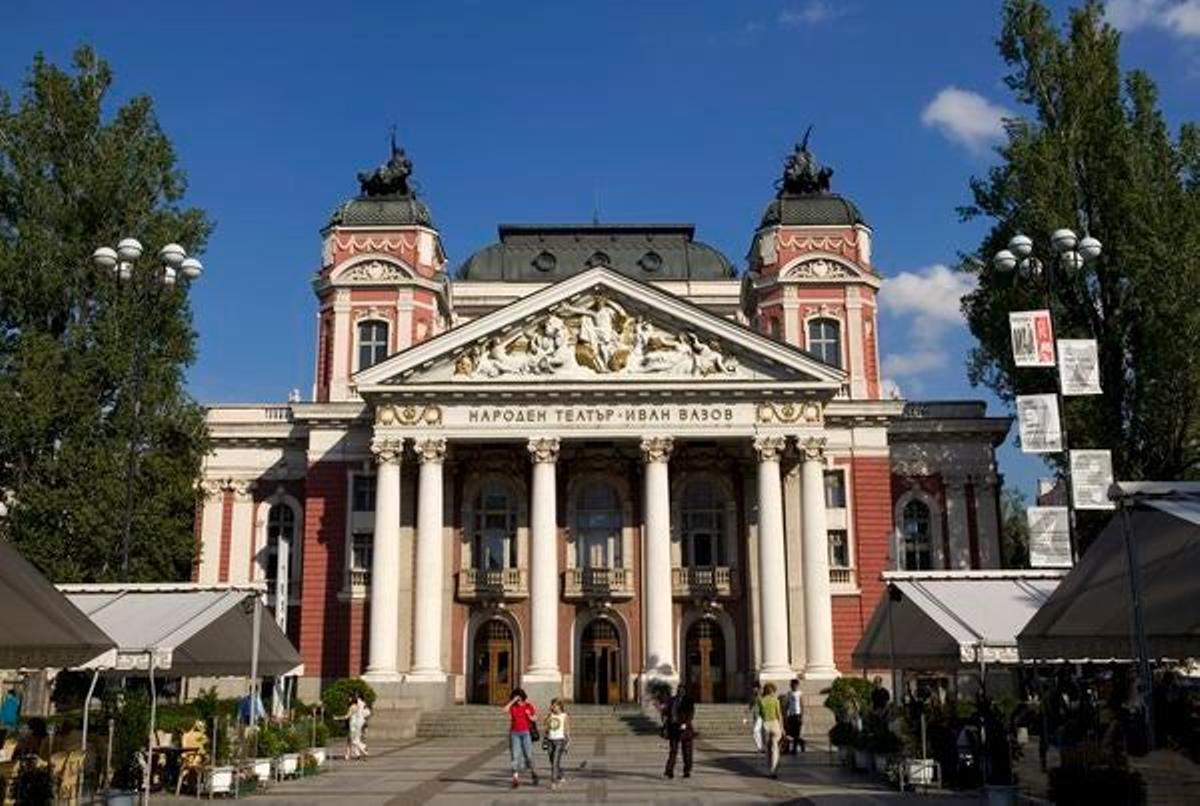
592,456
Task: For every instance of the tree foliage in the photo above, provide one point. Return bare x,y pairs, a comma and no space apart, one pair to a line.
1093,153
90,368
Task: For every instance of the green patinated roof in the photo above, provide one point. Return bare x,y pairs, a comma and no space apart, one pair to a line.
546,252
381,211
814,209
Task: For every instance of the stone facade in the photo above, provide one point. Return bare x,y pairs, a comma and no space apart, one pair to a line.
609,471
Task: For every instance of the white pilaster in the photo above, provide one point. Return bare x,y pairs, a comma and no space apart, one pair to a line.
543,563
241,534
818,610
660,656
213,497
987,521
385,563
427,631
956,523
771,556
343,338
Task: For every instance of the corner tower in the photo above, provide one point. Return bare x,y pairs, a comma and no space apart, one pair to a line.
382,285
810,280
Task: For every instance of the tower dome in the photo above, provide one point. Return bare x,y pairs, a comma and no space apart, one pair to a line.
386,198
804,197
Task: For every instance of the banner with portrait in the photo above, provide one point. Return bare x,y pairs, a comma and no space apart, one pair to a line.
1038,423
1049,537
1091,479
1032,338
1079,366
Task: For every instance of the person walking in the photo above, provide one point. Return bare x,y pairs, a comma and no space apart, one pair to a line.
522,725
678,716
794,717
768,705
356,718
558,737
756,724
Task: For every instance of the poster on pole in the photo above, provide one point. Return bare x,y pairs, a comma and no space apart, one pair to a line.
1091,479
1049,537
1032,338
1079,366
1040,428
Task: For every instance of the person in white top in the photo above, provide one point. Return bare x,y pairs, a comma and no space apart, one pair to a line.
356,716
558,736
793,717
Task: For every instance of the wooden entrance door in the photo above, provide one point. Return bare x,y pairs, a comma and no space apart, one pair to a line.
600,664
705,655
493,660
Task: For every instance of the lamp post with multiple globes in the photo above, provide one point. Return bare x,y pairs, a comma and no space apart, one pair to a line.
143,288
1018,260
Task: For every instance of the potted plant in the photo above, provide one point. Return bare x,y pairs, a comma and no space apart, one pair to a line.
289,761
270,747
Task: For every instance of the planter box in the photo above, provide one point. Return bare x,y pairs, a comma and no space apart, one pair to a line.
220,781
920,771
1022,736
319,755
262,770
864,760
288,765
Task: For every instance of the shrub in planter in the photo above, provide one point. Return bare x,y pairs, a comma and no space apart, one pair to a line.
336,698
846,692
270,742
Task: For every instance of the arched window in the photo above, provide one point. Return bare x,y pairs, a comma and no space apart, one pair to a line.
372,342
495,527
598,526
916,532
825,340
281,528
703,515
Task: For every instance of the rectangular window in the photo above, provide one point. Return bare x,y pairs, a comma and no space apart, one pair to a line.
364,493
835,489
360,551
839,548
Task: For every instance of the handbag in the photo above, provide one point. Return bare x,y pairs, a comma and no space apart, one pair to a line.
534,734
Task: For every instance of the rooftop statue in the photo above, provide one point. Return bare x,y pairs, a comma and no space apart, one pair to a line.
390,178
801,174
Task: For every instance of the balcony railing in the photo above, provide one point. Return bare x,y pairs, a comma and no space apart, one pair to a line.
841,577
709,582
597,583
477,584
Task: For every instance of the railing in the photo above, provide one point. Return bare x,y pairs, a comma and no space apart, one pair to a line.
597,583
842,577
360,577
492,583
707,582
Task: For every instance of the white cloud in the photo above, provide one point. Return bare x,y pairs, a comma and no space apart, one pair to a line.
965,117
814,12
1178,17
931,298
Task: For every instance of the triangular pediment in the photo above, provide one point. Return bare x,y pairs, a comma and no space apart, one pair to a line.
599,327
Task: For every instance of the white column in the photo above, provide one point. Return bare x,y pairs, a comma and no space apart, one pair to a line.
427,627
956,522
772,583
385,563
656,566
818,610
241,537
343,338
543,562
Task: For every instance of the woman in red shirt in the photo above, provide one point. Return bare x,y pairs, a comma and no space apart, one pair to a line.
523,718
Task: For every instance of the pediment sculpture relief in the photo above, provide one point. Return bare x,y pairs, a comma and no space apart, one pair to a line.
820,269
594,336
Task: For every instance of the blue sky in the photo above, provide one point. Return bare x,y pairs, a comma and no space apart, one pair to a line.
520,112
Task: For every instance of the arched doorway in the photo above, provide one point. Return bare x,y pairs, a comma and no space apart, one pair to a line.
704,661
493,661
600,663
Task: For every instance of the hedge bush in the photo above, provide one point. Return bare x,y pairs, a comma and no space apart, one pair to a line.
336,698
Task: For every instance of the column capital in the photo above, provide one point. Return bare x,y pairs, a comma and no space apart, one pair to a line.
387,450
812,449
769,447
210,488
242,489
657,449
430,449
543,450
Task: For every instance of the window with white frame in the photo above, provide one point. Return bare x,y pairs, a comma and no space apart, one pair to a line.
916,534
495,527
372,342
835,489
598,526
839,548
363,496
361,547
703,532
281,528
825,340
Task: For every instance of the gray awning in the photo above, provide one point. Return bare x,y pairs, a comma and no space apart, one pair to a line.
1089,617
191,630
949,619
39,627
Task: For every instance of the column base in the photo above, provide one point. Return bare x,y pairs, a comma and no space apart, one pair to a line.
541,690
382,676
781,676
425,676
821,673
429,694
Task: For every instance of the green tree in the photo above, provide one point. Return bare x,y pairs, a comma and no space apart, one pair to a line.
92,369
1014,529
1093,153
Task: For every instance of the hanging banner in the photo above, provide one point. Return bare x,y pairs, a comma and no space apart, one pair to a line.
1079,366
1032,338
1049,537
1091,478
1037,419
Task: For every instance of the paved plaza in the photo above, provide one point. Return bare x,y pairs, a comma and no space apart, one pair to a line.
612,769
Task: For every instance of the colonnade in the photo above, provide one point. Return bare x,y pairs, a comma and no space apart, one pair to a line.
659,655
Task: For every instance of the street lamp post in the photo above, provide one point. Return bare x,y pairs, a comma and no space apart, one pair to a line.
122,263
1072,253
